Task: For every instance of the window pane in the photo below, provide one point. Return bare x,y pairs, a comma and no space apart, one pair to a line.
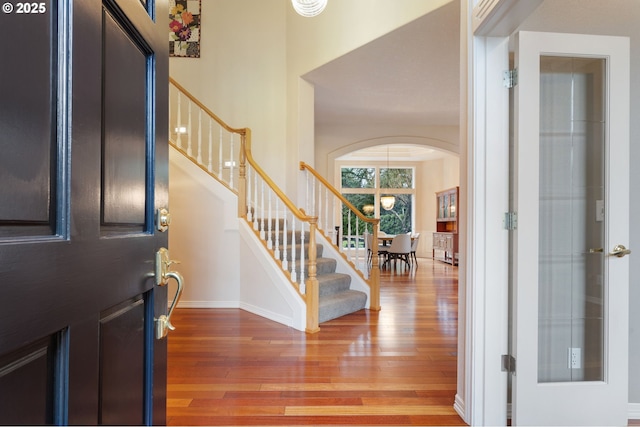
365,204
396,178
358,177
398,219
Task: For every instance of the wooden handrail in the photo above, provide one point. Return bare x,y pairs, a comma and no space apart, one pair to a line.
304,166
311,296
210,113
374,278
298,212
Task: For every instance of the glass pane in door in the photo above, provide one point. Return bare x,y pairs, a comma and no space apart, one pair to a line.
572,233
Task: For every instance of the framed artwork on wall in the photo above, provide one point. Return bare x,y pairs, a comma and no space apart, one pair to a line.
184,28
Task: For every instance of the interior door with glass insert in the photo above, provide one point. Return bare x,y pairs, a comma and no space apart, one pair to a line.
571,190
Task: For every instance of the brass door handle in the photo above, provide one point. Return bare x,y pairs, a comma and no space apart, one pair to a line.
620,251
163,323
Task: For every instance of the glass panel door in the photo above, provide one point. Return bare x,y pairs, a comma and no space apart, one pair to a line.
571,194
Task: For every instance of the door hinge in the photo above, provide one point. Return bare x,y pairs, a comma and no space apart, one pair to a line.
511,220
510,78
508,363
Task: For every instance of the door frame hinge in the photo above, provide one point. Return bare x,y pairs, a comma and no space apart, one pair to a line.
510,78
508,363
511,220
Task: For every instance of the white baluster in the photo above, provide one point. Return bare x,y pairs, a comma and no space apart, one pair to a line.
326,209
357,241
199,158
248,196
320,205
276,253
261,209
209,166
220,160
269,218
179,119
294,277
302,281
313,196
255,200
189,132
231,163
285,260
349,248
306,193
333,221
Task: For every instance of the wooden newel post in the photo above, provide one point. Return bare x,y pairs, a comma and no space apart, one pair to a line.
312,295
374,277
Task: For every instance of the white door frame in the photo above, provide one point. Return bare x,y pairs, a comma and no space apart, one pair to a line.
483,296
485,27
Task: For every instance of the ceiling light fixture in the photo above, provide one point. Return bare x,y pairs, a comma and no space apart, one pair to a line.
309,8
387,202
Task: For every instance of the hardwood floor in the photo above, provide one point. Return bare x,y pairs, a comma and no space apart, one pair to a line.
393,367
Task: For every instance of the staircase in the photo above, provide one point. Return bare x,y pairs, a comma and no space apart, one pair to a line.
331,278
336,298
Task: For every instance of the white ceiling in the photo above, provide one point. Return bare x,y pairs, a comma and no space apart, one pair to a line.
408,77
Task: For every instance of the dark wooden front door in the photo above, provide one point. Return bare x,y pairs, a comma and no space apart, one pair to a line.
83,169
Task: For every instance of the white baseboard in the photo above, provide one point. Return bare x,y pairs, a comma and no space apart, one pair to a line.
276,317
634,411
458,406
235,304
208,304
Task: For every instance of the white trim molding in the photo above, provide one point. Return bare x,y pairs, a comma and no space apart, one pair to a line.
499,18
634,411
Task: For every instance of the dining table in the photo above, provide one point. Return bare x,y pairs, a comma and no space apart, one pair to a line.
388,238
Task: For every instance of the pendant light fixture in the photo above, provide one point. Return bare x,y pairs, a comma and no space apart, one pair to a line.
309,8
387,202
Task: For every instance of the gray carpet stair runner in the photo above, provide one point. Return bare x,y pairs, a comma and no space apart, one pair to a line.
335,294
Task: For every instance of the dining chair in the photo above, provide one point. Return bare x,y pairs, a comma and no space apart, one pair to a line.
400,249
369,243
382,250
415,238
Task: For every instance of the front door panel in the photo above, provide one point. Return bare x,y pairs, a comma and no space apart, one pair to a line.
83,166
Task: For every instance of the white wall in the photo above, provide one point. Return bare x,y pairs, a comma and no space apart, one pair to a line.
253,53
433,176
241,74
203,235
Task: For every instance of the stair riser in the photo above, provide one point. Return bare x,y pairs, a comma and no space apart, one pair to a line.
323,266
334,287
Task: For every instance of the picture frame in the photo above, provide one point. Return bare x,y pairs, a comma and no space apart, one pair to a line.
184,28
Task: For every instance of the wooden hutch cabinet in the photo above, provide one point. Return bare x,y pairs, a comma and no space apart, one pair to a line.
445,239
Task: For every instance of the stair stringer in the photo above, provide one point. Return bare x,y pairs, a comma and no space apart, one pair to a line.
264,288
358,283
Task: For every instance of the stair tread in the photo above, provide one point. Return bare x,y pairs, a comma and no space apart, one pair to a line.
340,304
